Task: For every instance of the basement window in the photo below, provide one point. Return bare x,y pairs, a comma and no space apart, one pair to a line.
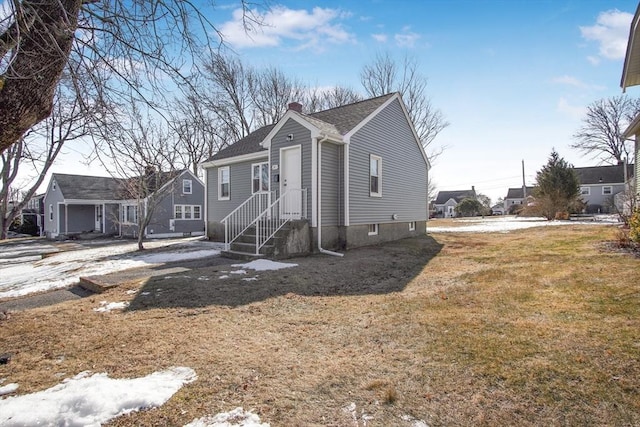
412,226
373,229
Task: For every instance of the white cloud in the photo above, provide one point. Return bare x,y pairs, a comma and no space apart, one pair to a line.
570,110
573,81
611,32
381,38
406,38
594,60
309,29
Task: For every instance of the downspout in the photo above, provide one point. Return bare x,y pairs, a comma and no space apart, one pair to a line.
319,202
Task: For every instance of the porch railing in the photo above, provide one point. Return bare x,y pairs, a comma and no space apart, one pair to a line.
266,215
291,205
244,216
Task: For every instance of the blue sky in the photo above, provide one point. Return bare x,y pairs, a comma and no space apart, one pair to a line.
512,77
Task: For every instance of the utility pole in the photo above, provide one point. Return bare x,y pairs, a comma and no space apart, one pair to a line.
524,186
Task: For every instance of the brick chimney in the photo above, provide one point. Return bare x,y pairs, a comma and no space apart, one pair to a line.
295,106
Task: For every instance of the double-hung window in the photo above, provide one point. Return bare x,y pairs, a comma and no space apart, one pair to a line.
224,183
186,186
187,212
259,177
375,176
130,214
50,212
607,190
585,191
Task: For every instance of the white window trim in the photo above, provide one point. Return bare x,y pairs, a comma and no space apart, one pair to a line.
583,189
183,209
184,181
220,182
124,214
379,160
412,226
268,178
610,187
373,229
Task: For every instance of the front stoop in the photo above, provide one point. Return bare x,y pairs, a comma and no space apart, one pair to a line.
287,242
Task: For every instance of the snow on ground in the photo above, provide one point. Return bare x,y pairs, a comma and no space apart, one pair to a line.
237,417
64,268
511,223
90,400
8,389
106,307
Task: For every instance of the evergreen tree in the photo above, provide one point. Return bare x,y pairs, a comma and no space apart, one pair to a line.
557,189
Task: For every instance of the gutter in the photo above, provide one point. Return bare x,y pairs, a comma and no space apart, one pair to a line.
319,201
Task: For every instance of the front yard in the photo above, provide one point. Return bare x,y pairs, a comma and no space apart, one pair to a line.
535,327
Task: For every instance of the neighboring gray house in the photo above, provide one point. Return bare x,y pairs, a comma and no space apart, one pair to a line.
600,184
76,204
350,176
446,201
631,77
516,197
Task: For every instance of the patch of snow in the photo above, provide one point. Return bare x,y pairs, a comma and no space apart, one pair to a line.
250,279
62,269
265,264
414,421
93,400
106,307
239,272
224,276
131,291
507,224
235,418
9,388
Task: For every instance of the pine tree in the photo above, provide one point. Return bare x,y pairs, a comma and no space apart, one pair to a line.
557,189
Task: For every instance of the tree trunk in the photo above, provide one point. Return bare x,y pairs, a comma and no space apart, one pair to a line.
28,85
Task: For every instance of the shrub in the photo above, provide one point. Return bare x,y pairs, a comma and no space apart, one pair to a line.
634,226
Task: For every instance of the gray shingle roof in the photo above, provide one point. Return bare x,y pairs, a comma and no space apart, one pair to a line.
603,174
458,196
516,193
81,187
338,120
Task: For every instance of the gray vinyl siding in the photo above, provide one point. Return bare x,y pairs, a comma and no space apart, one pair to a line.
302,137
165,210
52,197
404,171
332,167
597,200
637,171
239,189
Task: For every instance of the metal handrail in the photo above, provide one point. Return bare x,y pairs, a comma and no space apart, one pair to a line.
267,220
244,216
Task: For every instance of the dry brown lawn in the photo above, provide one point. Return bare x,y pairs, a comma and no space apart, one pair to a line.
537,327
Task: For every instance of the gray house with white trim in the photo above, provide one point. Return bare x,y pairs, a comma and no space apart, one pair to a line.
600,184
349,176
78,204
446,201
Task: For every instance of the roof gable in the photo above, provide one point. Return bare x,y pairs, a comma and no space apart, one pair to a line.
82,187
516,193
603,174
459,195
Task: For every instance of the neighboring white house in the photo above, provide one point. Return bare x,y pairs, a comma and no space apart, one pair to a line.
517,197
446,201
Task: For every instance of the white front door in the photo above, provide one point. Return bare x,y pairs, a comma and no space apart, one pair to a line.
98,226
291,181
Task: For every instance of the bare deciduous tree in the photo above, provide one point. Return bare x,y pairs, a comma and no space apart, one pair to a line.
272,91
136,44
38,150
601,133
384,75
318,99
143,156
